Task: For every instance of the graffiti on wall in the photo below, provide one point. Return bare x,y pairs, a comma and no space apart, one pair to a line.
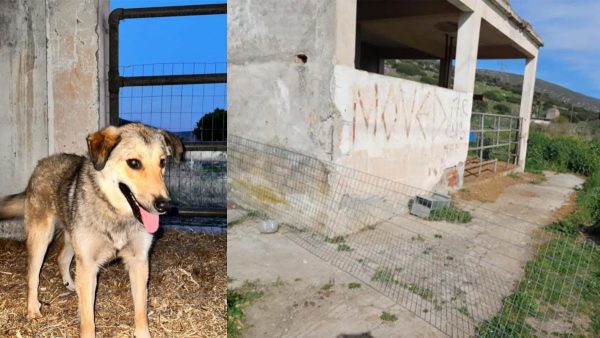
425,110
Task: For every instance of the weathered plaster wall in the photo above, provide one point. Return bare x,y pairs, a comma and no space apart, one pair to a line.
23,99
406,131
73,72
273,97
49,83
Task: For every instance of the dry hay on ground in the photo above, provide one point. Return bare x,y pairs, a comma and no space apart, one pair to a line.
186,296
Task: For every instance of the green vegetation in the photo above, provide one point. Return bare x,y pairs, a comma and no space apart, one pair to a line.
354,286
384,275
212,126
328,286
564,258
278,283
538,180
344,247
422,292
502,108
464,310
502,92
570,153
388,317
451,214
515,175
237,300
418,238
536,299
335,240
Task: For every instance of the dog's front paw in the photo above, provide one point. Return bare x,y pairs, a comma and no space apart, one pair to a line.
144,333
33,311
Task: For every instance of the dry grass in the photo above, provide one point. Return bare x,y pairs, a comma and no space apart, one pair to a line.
488,187
187,292
567,208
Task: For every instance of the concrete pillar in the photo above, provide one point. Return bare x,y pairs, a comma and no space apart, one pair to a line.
467,44
525,111
345,37
73,88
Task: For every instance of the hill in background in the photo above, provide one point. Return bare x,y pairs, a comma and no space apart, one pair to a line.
502,91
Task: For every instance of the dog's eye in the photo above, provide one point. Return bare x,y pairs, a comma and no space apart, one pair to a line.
134,164
162,163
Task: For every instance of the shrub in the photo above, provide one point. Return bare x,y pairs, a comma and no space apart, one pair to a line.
495,95
480,106
514,99
429,80
407,68
212,126
501,108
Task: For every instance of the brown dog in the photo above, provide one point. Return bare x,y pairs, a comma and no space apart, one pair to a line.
107,204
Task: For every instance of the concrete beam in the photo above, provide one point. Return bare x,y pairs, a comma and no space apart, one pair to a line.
525,111
467,45
492,13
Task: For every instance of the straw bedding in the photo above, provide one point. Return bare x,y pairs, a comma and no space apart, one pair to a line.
187,292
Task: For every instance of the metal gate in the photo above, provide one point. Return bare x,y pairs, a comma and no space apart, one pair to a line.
199,182
493,138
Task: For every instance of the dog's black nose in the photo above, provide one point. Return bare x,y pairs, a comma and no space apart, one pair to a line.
162,204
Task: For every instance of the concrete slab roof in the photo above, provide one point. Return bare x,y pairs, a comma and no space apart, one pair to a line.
505,6
417,29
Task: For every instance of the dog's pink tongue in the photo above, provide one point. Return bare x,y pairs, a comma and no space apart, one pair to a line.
150,221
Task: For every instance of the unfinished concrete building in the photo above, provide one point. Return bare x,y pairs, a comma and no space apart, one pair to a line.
305,75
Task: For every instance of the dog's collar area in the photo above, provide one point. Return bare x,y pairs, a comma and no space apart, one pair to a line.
135,207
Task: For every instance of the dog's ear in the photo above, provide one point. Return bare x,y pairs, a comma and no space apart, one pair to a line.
101,144
175,145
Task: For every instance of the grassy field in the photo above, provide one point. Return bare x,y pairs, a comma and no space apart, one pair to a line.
570,259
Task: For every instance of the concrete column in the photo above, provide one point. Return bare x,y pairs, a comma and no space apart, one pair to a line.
73,94
467,44
345,37
525,111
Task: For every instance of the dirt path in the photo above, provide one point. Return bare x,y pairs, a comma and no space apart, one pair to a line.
456,270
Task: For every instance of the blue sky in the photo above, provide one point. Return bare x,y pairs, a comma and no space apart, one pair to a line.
171,45
571,33
171,40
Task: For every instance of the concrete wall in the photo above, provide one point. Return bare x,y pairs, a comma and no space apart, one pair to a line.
49,87
410,132
397,129
23,99
273,97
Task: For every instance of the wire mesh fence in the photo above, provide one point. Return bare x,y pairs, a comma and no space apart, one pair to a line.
195,113
465,269
178,108
200,181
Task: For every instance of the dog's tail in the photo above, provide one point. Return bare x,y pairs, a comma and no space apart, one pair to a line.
12,206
